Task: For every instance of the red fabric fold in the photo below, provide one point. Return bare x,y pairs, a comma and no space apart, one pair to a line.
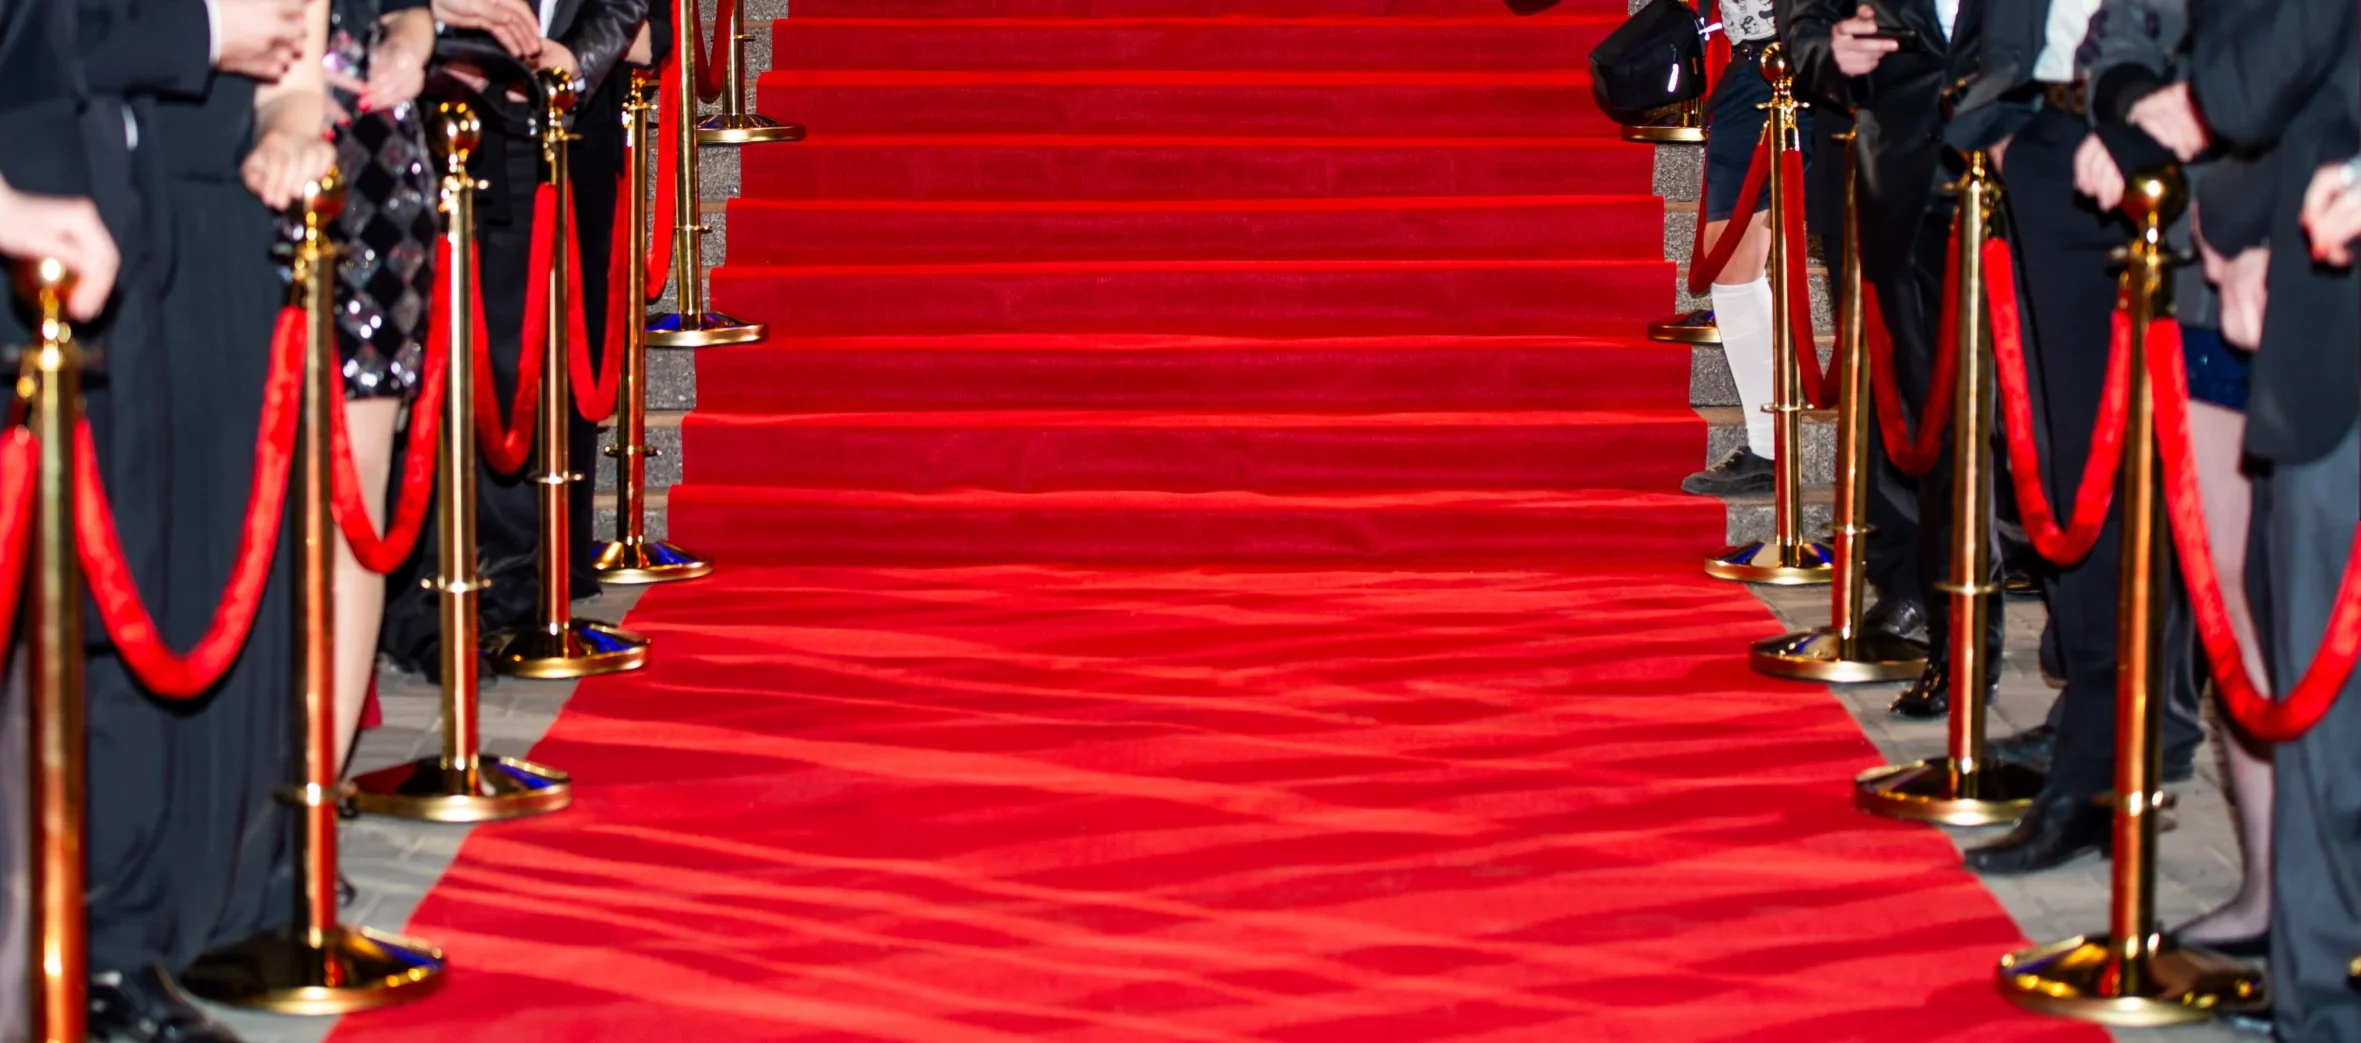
1915,454
2243,699
506,446
712,76
2072,542
120,609
1816,388
17,450
408,518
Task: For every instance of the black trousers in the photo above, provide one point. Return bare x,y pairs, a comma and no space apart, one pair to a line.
2066,286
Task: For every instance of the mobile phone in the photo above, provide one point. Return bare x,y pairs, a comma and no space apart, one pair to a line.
1905,37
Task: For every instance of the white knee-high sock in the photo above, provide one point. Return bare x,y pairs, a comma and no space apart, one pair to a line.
1743,312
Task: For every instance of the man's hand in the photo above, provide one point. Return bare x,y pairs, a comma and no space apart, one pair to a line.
2170,117
554,55
259,38
515,25
34,227
2096,175
2332,213
1856,52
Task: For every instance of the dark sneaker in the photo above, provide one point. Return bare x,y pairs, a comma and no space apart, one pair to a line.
1740,472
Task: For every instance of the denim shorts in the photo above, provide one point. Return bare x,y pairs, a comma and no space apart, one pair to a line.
1733,128
2217,371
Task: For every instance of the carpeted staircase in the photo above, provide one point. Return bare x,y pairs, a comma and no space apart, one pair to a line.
1128,282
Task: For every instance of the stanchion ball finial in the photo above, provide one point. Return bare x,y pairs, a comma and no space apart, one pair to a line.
462,129
44,280
2156,196
560,88
323,200
1773,62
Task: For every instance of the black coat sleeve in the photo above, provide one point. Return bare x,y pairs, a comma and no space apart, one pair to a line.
2251,75
40,100
601,35
1806,25
145,47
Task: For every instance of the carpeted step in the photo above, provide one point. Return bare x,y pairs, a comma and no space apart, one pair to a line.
1188,43
1194,8
835,231
1274,298
1135,371
771,525
1062,450
1128,101
834,165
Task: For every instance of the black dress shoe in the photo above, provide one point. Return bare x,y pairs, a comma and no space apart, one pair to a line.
1928,697
2057,829
1739,472
1897,617
2031,747
145,1006
2257,947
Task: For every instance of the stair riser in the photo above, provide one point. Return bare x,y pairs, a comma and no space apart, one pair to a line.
1377,110
1548,46
1190,8
837,169
872,235
663,464
785,378
1284,302
757,535
1278,461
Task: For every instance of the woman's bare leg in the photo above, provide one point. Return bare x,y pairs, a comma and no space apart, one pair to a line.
360,593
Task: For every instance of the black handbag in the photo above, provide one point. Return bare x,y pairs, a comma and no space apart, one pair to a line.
1653,60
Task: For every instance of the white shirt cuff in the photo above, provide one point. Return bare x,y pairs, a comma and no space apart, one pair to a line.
212,32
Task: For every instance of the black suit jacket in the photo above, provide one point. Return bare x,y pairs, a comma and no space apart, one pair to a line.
2290,82
1898,112
2006,38
130,52
598,32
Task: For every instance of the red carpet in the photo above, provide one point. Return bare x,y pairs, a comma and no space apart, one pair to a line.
1201,563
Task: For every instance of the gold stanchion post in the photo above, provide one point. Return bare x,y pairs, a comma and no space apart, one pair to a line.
692,326
632,558
559,645
463,784
1964,788
1845,651
733,125
50,375
2132,975
316,965
1788,559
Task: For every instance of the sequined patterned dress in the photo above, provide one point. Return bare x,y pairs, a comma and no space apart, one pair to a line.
388,230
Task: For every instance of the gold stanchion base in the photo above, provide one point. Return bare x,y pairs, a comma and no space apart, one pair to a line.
1685,329
1826,656
585,648
710,330
498,788
1933,790
284,974
1672,134
745,128
1758,562
2079,978
640,562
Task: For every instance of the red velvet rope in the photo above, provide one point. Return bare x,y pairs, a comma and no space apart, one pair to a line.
16,517
711,78
667,164
1705,265
595,392
1817,391
1915,455
2242,698
120,608
506,446
2097,489
383,555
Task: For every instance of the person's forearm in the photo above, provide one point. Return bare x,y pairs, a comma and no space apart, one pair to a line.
410,33
298,103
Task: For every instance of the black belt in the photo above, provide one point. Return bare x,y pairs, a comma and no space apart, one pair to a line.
1749,50
2072,97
